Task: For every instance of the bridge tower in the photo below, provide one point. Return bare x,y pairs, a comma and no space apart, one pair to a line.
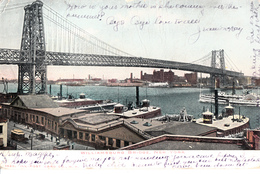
32,77
217,61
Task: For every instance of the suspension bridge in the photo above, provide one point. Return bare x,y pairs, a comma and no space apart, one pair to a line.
63,43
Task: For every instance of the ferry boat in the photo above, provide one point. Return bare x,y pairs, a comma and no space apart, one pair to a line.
159,85
72,102
145,111
248,99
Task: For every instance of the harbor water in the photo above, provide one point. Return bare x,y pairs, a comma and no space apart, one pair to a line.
170,100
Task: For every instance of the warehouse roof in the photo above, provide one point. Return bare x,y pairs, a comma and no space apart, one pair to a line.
34,101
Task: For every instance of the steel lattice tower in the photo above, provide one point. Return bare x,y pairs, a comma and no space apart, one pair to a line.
217,61
32,72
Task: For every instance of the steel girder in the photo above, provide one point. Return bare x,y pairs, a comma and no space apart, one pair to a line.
70,59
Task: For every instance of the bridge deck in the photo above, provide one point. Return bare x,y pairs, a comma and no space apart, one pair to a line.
12,56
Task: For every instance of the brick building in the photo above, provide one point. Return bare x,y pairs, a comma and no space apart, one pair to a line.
158,76
191,78
37,111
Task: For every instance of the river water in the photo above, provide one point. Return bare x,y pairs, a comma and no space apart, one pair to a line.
170,100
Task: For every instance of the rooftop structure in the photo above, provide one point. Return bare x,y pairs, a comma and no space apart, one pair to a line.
145,111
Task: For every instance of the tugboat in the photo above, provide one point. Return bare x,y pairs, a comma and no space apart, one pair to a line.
227,123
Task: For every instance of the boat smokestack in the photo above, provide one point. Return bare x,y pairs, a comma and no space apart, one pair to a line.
60,91
137,96
216,103
233,88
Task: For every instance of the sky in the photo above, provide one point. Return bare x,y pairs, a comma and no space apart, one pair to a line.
179,30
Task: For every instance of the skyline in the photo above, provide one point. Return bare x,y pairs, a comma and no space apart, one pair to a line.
169,30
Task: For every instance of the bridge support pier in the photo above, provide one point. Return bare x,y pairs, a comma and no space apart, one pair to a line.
32,78
217,61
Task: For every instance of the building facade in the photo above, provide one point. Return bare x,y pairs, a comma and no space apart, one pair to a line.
3,132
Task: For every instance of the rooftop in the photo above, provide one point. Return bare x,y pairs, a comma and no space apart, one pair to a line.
94,119
179,142
34,101
186,145
142,124
180,128
60,111
156,128
137,112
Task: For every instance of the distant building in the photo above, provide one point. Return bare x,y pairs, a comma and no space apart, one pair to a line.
158,76
112,80
191,78
257,81
247,81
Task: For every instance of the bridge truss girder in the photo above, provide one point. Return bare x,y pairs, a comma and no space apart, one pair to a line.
11,56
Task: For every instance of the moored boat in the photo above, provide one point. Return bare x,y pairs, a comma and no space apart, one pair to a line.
248,99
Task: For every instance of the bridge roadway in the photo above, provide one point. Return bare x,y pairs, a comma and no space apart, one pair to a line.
12,56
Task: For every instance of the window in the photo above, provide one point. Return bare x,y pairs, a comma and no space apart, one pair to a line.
75,134
110,141
117,143
80,135
42,120
1,129
102,138
93,137
87,136
55,126
37,119
126,143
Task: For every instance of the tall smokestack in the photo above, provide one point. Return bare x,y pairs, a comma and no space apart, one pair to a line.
50,89
60,91
131,77
216,103
137,96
